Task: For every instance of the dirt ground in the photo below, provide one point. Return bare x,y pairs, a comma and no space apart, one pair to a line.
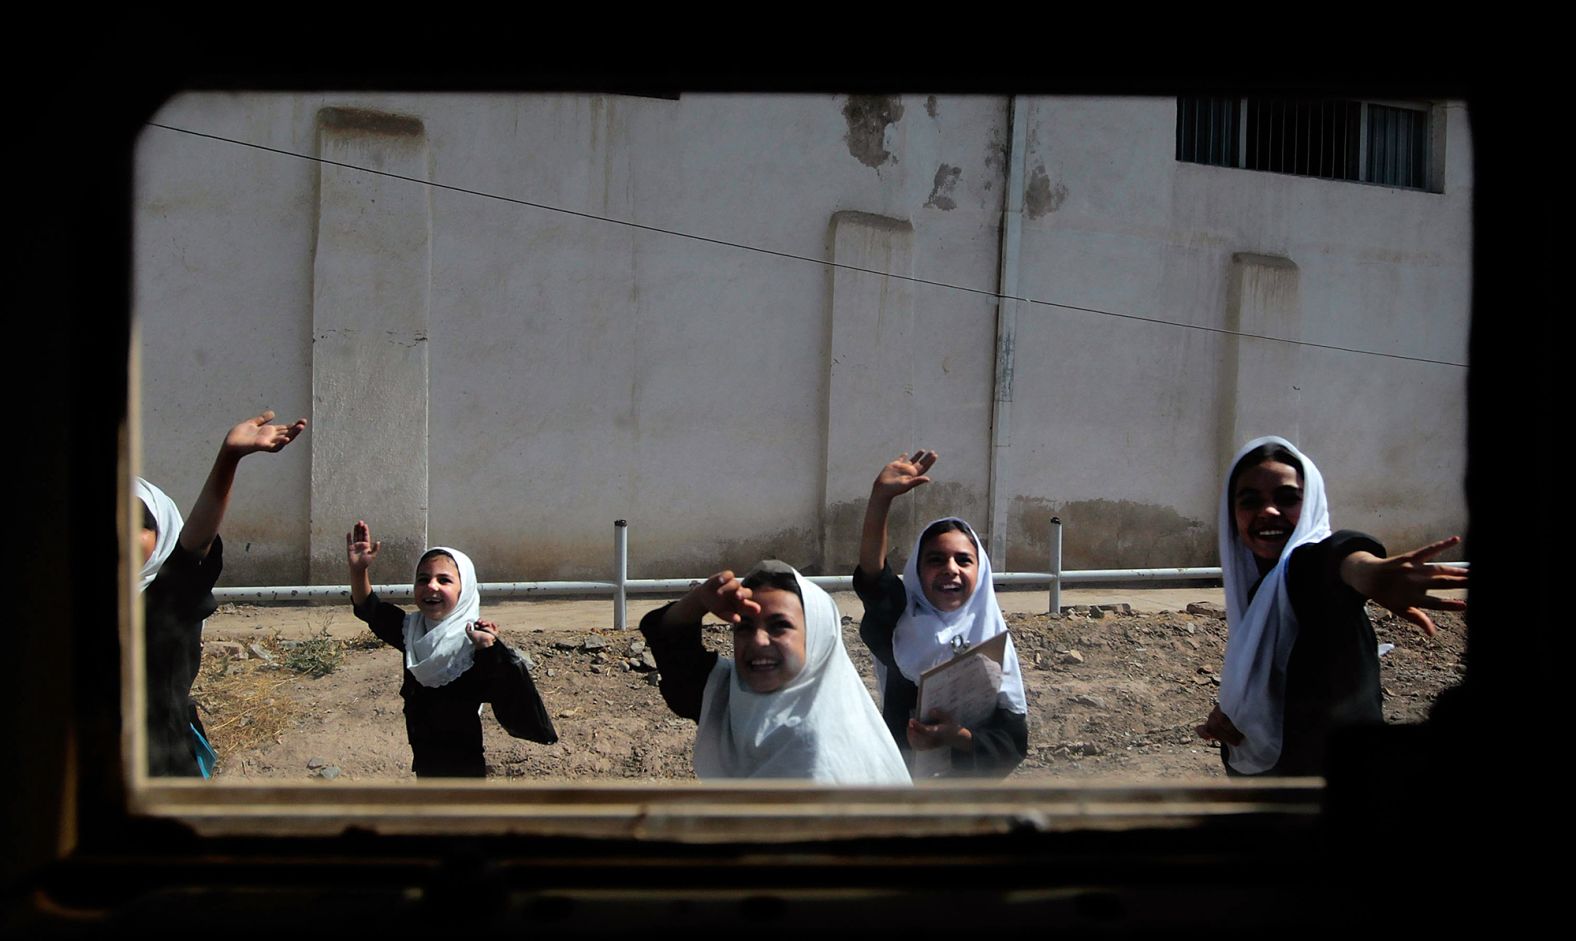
1115,696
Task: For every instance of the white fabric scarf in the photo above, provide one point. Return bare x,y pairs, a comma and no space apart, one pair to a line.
924,636
1261,634
168,518
437,653
821,725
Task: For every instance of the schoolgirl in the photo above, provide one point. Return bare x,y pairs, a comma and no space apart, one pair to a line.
944,604
454,661
1301,657
181,562
789,704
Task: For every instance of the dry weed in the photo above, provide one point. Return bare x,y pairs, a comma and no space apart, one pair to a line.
244,705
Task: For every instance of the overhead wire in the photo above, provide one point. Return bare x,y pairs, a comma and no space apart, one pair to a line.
793,256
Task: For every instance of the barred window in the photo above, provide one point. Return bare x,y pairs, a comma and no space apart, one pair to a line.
1330,138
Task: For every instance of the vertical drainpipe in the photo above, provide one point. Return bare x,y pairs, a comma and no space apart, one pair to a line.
1006,326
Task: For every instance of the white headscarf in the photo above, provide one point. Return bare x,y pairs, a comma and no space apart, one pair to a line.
821,725
437,653
1253,678
167,516
925,637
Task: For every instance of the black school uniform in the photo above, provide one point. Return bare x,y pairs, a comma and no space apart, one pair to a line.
1332,675
175,604
683,662
1000,743
443,722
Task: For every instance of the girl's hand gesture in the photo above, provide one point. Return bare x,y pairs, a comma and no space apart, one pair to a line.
256,434
895,479
1402,582
482,633
722,595
360,550
725,597
903,475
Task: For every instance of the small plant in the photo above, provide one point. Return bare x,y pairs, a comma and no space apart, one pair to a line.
318,655
364,640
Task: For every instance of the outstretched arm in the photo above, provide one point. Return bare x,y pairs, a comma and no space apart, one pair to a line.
360,552
254,434
895,479
1402,582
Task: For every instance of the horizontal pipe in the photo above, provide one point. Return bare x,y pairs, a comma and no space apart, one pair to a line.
1091,576
488,589
659,586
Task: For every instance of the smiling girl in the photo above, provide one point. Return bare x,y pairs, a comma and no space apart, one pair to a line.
181,562
944,604
454,660
1301,656
790,703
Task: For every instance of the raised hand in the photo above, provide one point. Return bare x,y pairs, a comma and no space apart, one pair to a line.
256,434
722,595
725,597
895,479
1402,582
360,550
903,475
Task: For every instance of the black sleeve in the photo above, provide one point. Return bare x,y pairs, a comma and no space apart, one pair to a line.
1000,745
516,703
174,607
682,660
1332,674
1313,574
183,589
884,599
386,620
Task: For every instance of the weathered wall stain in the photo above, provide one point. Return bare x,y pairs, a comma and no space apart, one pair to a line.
996,155
873,220
285,567
799,547
1100,534
996,151
845,522
396,563
941,191
268,550
1095,534
505,557
1271,282
370,122
1040,197
930,106
868,117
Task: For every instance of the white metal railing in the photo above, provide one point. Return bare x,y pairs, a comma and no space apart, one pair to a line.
622,586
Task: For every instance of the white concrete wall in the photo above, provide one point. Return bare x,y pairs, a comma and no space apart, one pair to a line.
1139,419
579,371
